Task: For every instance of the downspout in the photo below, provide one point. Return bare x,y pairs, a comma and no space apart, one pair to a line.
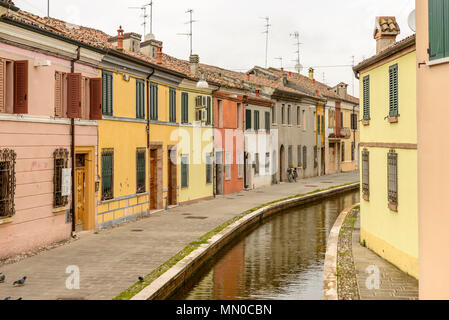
72,146
148,138
214,180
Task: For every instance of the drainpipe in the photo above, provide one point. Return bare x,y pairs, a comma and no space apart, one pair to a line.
214,180
72,147
148,137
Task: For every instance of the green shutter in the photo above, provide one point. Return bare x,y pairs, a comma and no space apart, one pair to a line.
140,170
248,119
366,98
394,102
322,125
256,120
140,99
438,29
107,175
184,107
154,101
208,110
107,93
184,171
267,121
172,105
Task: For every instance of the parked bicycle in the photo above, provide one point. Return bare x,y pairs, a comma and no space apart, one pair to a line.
292,174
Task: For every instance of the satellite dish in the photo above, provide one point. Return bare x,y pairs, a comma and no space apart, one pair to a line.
412,21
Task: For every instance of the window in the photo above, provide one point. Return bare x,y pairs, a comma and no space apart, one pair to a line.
248,119
140,169
7,182
352,151
256,120
366,98
184,107
140,99
342,151
438,29
220,113
267,121
394,91
267,163
304,122
290,156
365,174
342,120
282,114
107,93
241,163
184,171
299,156
289,118
228,163
323,130
6,86
172,105
209,111
315,157
60,94
298,116
393,180
273,115
354,121
304,157
13,86
239,116
209,164
319,123
153,101
256,164
107,174
61,157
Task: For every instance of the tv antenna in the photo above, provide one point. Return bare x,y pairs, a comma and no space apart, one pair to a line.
280,59
144,9
190,34
267,30
298,65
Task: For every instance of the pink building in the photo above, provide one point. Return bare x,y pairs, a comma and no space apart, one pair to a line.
45,79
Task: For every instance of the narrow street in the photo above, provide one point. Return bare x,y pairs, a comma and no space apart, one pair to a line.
112,260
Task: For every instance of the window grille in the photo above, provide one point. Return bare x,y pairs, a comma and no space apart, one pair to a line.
140,170
7,182
393,178
61,157
365,172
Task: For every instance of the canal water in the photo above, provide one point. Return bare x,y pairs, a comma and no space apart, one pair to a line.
282,259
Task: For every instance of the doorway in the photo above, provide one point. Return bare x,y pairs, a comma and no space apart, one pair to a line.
153,179
281,164
323,161
81,194
219,172
172,176
247,170
332,158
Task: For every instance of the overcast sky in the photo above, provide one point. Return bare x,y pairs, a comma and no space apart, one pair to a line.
229,33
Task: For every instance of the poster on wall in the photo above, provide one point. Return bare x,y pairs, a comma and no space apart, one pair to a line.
66,182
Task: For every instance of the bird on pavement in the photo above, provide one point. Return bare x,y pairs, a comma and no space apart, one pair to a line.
7,298
2,277
20,282
141,279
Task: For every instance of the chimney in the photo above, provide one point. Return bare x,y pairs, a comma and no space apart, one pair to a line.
385,32
248,77
311,71
194,61
317,93
159,55
282,70
289,74
342,89
257,92
120,38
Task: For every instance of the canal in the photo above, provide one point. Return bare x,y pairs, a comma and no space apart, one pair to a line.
281,259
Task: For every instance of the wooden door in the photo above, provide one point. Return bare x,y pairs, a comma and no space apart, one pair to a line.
172,177
153,179
219,174
81,215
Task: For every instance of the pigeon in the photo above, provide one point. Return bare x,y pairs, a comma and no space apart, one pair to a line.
2,277
7,298
20,298
141,279
20,282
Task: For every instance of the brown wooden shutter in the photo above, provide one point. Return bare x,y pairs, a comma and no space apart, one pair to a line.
2,85
21,86
58,94
96,99
74,95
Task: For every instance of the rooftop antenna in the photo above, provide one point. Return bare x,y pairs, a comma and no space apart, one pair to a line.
144,9
298,65
190,34
267,30
48,8
280,59
353,76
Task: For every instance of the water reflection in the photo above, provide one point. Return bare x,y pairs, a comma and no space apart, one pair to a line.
281,259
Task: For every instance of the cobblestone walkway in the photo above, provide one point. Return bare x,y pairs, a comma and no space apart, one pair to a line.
112,260
394,284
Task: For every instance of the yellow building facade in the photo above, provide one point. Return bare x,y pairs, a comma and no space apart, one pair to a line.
388,155
123,154
179,142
